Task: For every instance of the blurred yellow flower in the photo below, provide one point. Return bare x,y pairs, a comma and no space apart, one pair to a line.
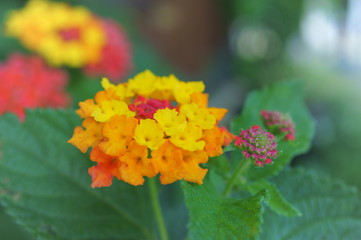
71,36
64,35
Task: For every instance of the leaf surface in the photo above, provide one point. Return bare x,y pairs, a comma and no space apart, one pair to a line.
213,217
276,201
45,186
330,209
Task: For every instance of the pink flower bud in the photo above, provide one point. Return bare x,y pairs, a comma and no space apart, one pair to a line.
279,123
265,142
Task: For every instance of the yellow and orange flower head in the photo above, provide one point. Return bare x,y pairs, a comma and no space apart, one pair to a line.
71,36
147,126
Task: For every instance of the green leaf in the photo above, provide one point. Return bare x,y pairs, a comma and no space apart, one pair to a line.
331,210
10,230
276,201
284,97
213,217
229,148
45,186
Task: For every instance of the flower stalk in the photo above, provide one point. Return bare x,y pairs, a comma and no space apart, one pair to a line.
241,169
157,209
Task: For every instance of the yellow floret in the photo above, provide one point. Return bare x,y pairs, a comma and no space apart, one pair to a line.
167,82
184,90
149,133
109,108
119,89
164,87
142,84
189,139
199,116
106,84
170,121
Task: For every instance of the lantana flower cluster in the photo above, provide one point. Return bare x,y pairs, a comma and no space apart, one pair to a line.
149,125
257,145
279,123
71,36
27,82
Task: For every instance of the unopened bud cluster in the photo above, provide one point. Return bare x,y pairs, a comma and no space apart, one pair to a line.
257,145
279,123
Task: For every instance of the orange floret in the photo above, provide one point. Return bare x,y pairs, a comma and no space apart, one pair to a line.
86,108
98,156
136,164
201,99
90,136
102,174
192,172
167,160
106,95
214,139
218,112
228,136
176,164
118,133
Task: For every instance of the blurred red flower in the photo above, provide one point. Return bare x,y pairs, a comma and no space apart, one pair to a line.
115,60
26,82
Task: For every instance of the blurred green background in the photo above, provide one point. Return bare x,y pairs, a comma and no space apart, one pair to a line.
239,45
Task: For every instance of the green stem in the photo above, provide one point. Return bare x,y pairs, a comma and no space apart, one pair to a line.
157,209
241,168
